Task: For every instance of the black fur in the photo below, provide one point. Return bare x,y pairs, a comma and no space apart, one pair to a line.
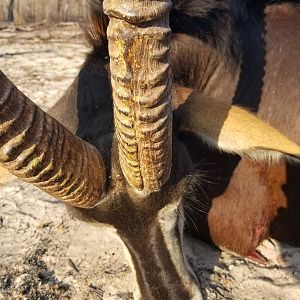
251,33
94,101
211,22
235,29
95,32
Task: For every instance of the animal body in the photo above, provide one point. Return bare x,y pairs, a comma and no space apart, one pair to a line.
249,59
95,165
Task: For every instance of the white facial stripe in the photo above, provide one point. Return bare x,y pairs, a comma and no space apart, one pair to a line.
136,292
168,218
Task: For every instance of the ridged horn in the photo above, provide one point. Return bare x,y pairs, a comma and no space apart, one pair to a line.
139,42
38,149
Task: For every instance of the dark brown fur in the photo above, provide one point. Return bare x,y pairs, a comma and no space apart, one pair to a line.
137,222
244,197
245,202
199,63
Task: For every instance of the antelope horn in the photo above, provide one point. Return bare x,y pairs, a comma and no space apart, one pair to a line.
139,43
38,149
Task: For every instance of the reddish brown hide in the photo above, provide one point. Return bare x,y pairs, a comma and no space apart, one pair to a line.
242,202
248,206
245,201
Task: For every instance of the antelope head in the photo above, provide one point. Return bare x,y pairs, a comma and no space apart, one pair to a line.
128,169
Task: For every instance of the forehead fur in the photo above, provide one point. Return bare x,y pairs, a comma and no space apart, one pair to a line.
198,8
95,32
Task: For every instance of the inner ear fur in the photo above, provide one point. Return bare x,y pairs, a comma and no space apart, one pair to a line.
232,129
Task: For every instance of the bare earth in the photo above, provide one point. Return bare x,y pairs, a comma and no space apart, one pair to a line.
44,254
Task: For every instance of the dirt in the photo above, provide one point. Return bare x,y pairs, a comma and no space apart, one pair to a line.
44,254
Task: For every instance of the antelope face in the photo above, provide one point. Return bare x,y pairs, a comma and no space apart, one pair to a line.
122,176
126,167
150,228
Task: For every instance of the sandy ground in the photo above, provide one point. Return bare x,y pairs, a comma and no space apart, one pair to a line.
46,255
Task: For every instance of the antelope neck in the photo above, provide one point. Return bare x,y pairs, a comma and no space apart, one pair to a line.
157,261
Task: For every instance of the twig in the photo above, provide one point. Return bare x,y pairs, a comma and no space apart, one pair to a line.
22,53
72,264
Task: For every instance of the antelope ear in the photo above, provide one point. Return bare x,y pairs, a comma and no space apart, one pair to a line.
232,129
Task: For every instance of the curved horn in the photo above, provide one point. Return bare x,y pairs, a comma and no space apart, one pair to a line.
38,149
139,44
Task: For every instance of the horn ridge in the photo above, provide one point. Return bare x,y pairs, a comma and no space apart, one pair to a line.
139,40
38,149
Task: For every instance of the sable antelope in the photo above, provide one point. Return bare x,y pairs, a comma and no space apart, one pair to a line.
116,159
247,53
